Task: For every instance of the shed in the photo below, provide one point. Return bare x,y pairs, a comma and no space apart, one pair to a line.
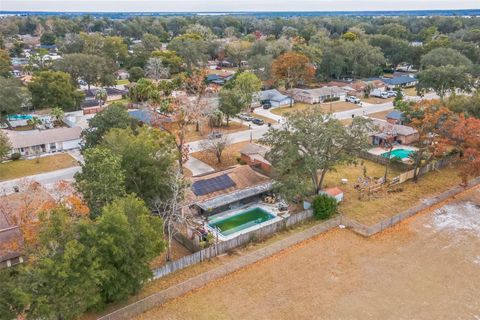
334,192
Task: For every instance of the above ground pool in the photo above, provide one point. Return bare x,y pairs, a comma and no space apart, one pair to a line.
240,221
399,153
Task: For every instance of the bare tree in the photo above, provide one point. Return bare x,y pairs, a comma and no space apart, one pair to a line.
171,210
216,146
156,70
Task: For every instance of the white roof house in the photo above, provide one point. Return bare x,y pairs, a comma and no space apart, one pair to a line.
33,142
318,95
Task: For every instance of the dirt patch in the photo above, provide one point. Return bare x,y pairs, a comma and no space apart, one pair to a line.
376,100
417,270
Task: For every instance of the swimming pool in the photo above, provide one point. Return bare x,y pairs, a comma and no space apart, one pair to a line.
399,153
240,221
20,117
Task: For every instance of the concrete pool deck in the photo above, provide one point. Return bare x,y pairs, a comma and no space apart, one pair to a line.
378,151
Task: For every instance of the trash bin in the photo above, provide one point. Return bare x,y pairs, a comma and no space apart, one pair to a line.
269,124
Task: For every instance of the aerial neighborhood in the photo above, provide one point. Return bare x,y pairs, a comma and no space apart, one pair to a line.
139,152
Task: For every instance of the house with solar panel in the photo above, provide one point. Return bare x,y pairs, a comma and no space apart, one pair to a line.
224,190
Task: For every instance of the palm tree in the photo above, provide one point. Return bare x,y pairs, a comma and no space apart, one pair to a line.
58,114
101,96
34,122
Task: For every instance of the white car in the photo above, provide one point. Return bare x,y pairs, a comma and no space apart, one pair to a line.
245,116
352,99
392,94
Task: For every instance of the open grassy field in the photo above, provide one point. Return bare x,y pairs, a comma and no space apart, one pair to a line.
324,107
229,156
424,268
22,168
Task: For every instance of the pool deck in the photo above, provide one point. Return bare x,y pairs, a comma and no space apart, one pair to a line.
224,215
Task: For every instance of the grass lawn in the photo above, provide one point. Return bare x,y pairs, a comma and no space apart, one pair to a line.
123,82
205,130
22,168
324,107
229,156
376,100
385,204
410,91
380,115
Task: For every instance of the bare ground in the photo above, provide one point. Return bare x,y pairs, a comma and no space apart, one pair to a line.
425,268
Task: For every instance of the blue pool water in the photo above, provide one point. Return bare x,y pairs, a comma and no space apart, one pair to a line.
241,221
20,117
398,153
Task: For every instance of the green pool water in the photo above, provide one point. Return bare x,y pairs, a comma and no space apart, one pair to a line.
241,221
398,153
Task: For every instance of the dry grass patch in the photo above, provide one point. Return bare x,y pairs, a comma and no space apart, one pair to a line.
22,168
229,156
383,205
410,91
205,130
376,100
380,115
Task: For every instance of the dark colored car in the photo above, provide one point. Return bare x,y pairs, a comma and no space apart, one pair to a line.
215,135
266,106
258,121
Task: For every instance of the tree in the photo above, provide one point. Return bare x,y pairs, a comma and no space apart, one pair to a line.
58,114
34,122
113,116
13,96
63,274
126,238
238,51
231,103
445,56
101,179
115,49
135,74
148,157
216,146
93,69
5,146
156,70
191,48
247,84
51,89
5,64
292,68
170,210
169,59
395,50
101,95
310,144
444,79
196,85
13,296
48,39
144,90
469,105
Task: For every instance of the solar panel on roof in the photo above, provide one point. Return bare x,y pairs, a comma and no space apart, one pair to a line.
203,187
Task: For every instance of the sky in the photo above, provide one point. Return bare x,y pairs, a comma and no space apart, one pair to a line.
231,5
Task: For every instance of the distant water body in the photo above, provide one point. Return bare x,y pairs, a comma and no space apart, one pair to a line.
283,14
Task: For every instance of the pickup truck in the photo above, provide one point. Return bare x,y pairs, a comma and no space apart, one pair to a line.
379,94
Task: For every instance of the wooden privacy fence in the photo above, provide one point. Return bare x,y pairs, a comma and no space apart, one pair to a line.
228,245
436,165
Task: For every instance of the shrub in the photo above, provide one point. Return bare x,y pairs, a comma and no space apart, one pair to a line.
15,156
331,99
324,206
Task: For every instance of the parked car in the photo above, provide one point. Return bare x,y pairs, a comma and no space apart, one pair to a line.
218,68
245,116
392,94
258,121
215,135
266,106
352,99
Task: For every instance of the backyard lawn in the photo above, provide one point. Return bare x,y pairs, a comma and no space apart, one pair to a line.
383,204
22,168
123,82
229,156
324,107
410,91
